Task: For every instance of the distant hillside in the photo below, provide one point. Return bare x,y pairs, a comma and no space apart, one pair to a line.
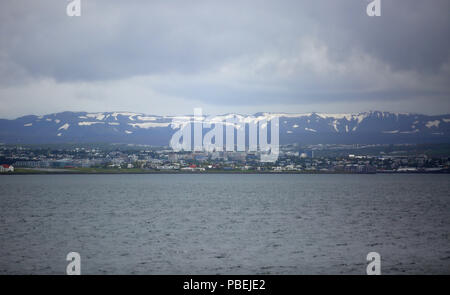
313,128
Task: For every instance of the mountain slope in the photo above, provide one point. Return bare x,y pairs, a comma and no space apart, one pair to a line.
127,127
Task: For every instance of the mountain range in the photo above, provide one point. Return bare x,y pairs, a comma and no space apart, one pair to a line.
374,127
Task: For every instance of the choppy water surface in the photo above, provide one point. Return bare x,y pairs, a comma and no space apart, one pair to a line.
225,224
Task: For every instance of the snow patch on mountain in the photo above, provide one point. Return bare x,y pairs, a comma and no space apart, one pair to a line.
334,124
89,123
349,117
409,132
130,115
144,118
97,116
65,126
434,123
147,125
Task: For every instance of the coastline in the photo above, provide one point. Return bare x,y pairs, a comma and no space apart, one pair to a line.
94,171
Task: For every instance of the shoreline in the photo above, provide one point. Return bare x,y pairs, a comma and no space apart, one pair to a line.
96,172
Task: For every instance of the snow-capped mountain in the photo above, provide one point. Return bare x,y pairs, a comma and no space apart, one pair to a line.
127,127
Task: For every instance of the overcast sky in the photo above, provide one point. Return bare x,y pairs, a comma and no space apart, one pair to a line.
167,57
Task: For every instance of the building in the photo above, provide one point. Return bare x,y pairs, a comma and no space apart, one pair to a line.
173,157
6,168
201,157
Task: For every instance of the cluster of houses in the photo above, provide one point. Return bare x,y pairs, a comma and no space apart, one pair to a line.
332,159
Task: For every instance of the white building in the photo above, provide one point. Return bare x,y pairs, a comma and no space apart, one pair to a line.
6,168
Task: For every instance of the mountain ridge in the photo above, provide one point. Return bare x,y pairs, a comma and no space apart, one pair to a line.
305,128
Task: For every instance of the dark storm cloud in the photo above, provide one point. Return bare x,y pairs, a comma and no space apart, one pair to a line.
226,52
410,35
115,40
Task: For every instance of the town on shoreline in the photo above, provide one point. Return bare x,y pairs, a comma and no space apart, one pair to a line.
293,159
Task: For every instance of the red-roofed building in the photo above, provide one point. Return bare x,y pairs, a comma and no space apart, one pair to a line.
6,168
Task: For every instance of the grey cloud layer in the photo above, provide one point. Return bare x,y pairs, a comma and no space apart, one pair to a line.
231,53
